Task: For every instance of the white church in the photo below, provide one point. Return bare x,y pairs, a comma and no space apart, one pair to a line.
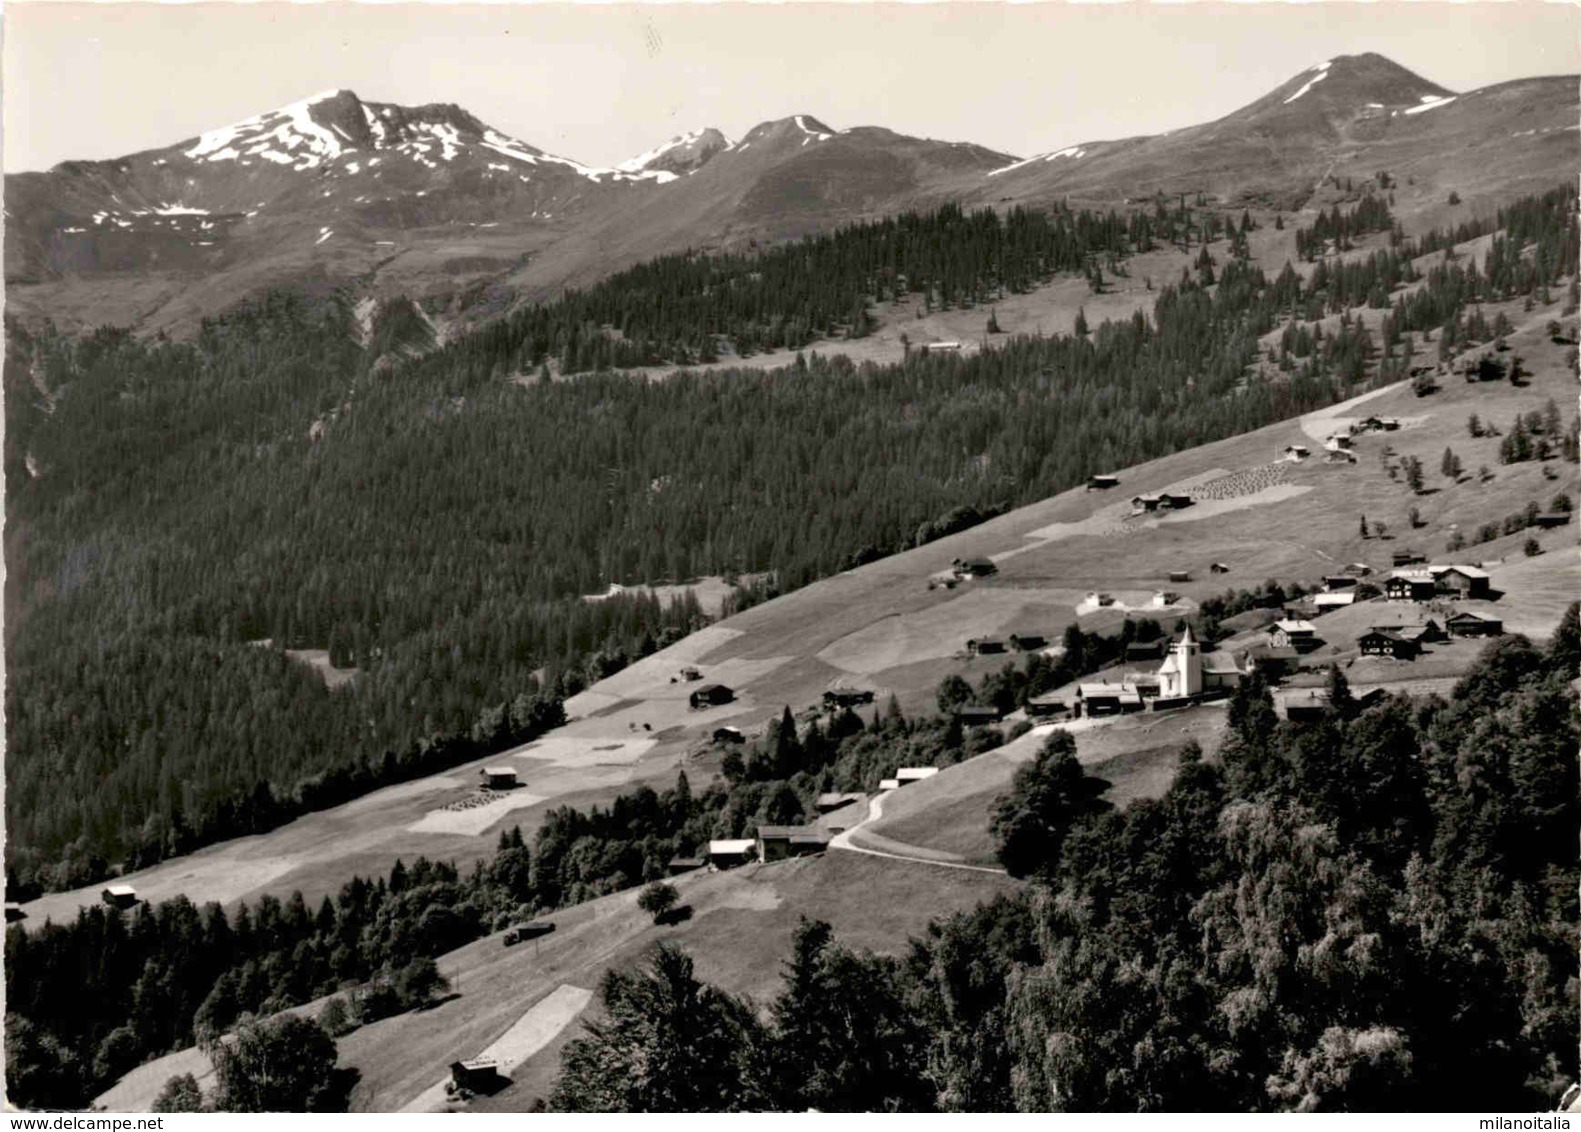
1186,672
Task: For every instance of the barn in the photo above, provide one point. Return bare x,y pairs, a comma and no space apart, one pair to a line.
475,1075
119,896
977,715
985,646
711,695
1462,581
777,842
1103,482
499,777
1472,624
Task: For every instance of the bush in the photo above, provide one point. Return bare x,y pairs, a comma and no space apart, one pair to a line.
1533,548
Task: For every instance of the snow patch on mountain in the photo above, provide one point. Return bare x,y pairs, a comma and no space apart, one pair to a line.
287,129
1322,73
1074,151
1431,102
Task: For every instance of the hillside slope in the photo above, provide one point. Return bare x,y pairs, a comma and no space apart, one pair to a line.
882,626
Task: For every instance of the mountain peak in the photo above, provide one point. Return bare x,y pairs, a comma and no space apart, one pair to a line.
803,129
681,156
1349,85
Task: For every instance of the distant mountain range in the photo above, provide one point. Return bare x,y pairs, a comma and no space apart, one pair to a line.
428,201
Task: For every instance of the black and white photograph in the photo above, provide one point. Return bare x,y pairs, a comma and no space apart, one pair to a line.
807,558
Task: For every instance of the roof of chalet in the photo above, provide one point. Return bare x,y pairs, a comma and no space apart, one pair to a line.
732,846
1347,597
1290,626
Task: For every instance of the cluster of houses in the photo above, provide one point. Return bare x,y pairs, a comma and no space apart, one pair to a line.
1339,445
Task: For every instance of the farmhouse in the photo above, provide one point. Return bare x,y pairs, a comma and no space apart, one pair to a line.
689,674
1175,500
119,896
1338,442
1180,576
974,567
977,715
777,842
1469,623
1103,481
983,646
940,347
1358,569
1463,581
916,773
1146,502
1219,568
889,784
1424,631
1164,598
711,695
1296,452
1299,635
679,865
729,735
1407,558
1108,699
1382,642
1339,582
731,852
1553,519
499,777
1410,585
1028,641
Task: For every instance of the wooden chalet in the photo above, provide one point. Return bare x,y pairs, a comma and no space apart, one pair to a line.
1102,482
777,842
1469,623
1383,642
1410,585
499,777
711,695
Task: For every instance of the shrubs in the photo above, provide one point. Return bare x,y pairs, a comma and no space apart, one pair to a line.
658,900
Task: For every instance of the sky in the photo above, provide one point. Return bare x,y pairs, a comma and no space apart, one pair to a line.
601,82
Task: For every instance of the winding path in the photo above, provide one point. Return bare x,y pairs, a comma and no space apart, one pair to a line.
875,810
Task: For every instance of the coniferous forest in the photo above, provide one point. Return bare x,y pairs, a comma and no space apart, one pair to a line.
431,522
